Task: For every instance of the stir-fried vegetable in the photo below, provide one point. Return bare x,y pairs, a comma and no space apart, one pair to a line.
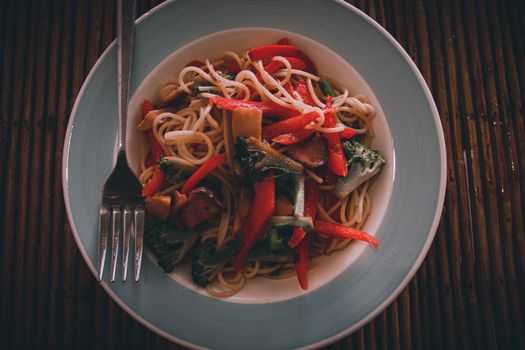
169,244
336,156
269,51
289,125
261,204
293,137
204,170
259,216
257,159
268,108
363,163
207,261
273,66
341,231
174,173
301,266
326,87
158,176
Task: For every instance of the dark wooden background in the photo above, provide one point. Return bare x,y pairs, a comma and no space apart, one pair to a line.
469,292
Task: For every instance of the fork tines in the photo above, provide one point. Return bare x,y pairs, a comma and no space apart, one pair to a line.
129,221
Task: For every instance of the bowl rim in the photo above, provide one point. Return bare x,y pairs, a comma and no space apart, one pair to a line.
372,314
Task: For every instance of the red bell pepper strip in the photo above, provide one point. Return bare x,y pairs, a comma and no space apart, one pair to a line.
336,230
201,173
301,266
302,89
273,66
155,147
230,66
288,87
268,108
311,198
283,41
297,236
146,107
347,133
156,151
289,125
154,183
293,137
259,215
336,156
269,51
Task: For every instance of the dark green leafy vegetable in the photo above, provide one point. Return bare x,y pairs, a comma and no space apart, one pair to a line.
277,239
363,163
207,261
258,158
273,245
173,173
227,75
305,222
197,83
326,87
169,244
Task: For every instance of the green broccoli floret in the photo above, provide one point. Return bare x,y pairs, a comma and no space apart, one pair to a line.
276,241
173,173
168,243
363,163
207,260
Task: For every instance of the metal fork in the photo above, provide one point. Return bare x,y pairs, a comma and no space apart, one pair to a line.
121,198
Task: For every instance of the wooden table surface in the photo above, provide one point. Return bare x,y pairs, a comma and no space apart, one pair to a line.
470,290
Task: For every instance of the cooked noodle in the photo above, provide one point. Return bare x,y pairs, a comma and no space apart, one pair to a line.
197,131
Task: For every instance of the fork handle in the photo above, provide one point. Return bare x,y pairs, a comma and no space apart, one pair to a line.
125,31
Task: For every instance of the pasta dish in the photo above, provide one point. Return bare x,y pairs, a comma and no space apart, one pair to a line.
256,165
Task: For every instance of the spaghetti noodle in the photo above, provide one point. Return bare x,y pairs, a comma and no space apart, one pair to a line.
194,122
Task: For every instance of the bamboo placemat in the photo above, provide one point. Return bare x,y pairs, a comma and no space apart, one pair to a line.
469,292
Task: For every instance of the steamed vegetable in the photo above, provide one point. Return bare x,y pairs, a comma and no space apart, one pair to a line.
363,163
169,244
258,158
311,197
